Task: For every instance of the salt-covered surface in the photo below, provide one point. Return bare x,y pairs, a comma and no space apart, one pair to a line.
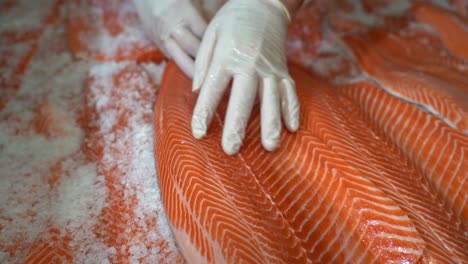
118,111
58,200
108,30
23,15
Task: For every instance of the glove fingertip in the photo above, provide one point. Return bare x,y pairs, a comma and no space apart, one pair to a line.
199,122
294,124
230,147
182,60
290,105
196,84
198,128
198,134
291,116
271,133
270,144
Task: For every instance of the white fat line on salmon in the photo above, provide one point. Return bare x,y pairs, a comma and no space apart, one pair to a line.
269,198
426,108
42,255
357,223
403,219
460,186
335,214
403,250
433,234
345,180
191,251
366,200
398,227
241,216
431,165
412,230
410,134
196,218
381,223
399,237
447,164
439,235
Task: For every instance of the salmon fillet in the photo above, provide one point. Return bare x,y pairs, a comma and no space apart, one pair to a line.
436,149
400,73
362,182
324,196
451,26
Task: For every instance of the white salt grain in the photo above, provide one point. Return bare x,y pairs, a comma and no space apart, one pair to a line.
101,40
31,199
139,174
25,15
80,197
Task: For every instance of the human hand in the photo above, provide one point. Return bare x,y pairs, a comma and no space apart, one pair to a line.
245,42
176,26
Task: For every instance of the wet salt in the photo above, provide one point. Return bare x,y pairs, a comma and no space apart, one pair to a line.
30,198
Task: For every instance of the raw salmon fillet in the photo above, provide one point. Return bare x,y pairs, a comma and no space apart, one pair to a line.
377,173
450,26
325,196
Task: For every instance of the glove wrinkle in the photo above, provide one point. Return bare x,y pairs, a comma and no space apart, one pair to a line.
168,21
250,47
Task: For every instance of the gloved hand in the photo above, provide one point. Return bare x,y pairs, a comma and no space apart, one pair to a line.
245,42
176,26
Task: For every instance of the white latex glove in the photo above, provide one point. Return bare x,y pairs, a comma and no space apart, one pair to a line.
176,26
245,42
